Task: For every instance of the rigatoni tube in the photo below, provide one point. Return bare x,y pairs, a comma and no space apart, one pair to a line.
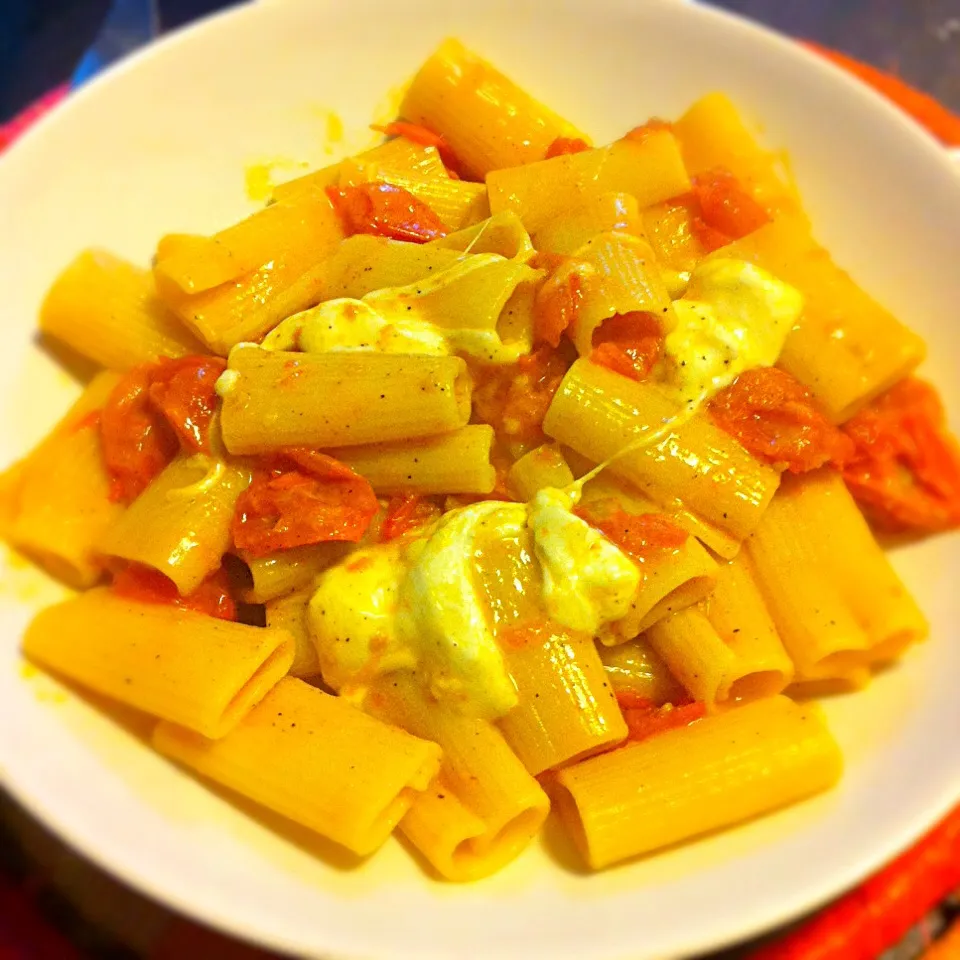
567,709
278,574
455,462
279,399
108,310
539,192
818,627
506,805
180,525
179,665
55,503
712,774
486,118
600,413
317,760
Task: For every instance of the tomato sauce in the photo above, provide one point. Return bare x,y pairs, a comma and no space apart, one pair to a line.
154,411
641,535
146,585
514,399
775,418
385,210
406,512
558,303
564,146
629,344
299,497
904,468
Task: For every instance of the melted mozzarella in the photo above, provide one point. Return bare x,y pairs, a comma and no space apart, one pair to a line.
352,616
418,318
587,580
734,316
441,606
417,606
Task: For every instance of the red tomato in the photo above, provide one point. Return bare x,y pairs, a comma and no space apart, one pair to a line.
557,304
628,700
407,512
514,399
727,211
147,585
136,439
566,145
647,722
775,418
638,534
385,210
905,466
301,497
628,343
183,391
652,126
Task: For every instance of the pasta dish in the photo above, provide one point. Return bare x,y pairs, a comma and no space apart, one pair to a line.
488,472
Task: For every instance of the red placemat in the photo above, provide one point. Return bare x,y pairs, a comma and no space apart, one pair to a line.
56,906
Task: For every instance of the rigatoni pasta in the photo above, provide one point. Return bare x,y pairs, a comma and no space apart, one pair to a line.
454,462
109,310
195,670
314,759
600,414
567,709
180,525
487,119
712,774
279,399
528,459
56,502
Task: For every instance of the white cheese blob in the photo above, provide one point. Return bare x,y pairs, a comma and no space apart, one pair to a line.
735,316
455,311
417,606
587,580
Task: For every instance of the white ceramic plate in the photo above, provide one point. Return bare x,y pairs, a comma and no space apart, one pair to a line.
161,144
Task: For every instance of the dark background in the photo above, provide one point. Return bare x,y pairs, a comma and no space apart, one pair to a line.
42,40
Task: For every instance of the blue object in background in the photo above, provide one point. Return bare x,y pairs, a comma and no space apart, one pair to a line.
129,24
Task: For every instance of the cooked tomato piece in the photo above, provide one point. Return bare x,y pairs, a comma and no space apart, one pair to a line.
630,700
385,210
727,211
301,497
652,126
905,466
638,534
557,303
774,417
566,145
136,439
156,409
514,399
183,390
147,585
407,512
644,723
425,137
628,343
